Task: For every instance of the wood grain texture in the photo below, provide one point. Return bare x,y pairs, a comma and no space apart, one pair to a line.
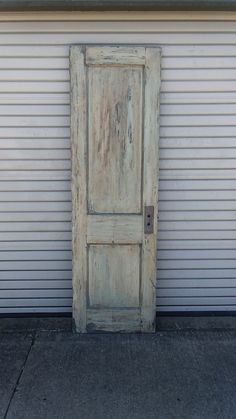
79,190
113,320
150,186
115,55
114,229
115,139
114,276
114,171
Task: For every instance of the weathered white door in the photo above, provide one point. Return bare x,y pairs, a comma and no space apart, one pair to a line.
114,132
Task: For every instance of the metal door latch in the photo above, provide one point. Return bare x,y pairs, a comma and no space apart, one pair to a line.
148,219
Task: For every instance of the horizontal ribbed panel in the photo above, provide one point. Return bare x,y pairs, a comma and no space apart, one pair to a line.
196,267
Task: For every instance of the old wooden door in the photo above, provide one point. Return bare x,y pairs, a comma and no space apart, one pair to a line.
114,132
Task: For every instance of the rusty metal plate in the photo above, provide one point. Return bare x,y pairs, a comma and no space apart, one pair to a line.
148,219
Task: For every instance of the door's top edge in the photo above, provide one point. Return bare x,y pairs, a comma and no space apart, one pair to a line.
117,5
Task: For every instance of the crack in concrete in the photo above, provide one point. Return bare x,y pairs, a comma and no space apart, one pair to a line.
19,376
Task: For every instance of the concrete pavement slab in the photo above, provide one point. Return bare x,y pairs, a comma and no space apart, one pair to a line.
34,324
163,376
13,353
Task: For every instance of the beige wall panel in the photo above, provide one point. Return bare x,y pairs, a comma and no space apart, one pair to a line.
34,81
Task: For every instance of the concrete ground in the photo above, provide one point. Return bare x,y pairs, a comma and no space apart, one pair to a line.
46,372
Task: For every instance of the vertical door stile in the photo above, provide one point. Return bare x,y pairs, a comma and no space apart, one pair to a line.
150,186
79,185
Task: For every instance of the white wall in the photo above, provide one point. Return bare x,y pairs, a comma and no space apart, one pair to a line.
197,228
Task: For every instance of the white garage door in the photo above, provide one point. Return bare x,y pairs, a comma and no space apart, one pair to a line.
197,224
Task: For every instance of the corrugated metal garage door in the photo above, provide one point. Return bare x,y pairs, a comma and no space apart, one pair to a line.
197,228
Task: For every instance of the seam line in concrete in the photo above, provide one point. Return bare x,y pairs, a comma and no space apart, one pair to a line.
20,375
